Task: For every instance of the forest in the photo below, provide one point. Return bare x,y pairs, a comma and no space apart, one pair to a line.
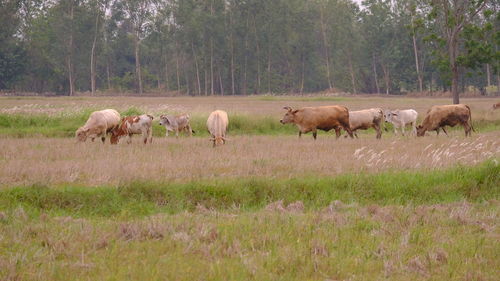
242,47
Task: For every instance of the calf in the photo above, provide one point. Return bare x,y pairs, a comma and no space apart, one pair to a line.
134,125
176,124
401,118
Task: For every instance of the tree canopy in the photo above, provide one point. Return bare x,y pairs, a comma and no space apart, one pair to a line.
223,47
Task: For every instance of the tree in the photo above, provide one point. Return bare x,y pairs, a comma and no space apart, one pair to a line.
449,18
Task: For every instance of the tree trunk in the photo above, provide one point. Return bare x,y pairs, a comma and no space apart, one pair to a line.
92,56
452,53
417,64
325,46
197,69
138,62
211,55
258,54
177,67
387,78
232,57
351,70
269,69
220,83
186,76
167,86
374,62
302,76
488,75
69,58
244,92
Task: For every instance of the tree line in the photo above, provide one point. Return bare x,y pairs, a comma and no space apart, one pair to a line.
225,47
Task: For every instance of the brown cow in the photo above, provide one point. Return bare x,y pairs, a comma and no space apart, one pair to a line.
134,125
310,119
496,106
439,116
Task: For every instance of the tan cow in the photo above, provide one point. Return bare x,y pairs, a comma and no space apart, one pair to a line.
365,119
496,106
134,125
439,116
217,124
98,125
310,119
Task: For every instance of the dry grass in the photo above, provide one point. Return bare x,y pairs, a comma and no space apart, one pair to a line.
457,241
52,161
263,105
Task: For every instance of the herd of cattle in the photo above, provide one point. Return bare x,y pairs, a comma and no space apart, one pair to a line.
307,119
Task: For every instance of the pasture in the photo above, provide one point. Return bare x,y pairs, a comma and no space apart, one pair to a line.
264,206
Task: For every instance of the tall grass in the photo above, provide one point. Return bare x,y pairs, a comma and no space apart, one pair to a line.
481,182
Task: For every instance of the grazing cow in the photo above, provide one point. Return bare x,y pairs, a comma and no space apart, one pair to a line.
439,116
401,118
496,106
98,125
176,124
365,119
130,125
310,119
217,124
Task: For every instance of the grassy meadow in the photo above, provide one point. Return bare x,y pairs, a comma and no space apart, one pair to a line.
265,206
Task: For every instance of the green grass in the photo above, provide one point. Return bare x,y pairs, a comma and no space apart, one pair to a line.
65,125
481,182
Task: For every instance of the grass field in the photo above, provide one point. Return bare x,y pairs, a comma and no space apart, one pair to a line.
265,206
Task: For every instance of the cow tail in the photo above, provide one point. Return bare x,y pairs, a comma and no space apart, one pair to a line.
470,118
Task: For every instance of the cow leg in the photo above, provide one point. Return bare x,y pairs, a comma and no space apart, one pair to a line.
414,128
402,129
150,135
190,131
177,133
467,129
300,134
446,133
379,131
337,133
315,133
129,138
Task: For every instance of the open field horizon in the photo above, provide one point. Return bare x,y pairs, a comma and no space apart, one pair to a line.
264,206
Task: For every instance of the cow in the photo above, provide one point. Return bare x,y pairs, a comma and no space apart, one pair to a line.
130,125
177,123
217,123
401,118
439,116
365,119
98,125
496,106
310,119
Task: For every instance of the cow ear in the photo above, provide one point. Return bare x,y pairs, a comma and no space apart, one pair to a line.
395,114
287,108
295,111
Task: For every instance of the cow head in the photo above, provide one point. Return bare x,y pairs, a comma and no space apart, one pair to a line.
289,115
420,131
81,134
389,115
218,141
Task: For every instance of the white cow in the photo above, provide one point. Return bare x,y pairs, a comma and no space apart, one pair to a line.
130,125
217,124
98,125
401,118
176,124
